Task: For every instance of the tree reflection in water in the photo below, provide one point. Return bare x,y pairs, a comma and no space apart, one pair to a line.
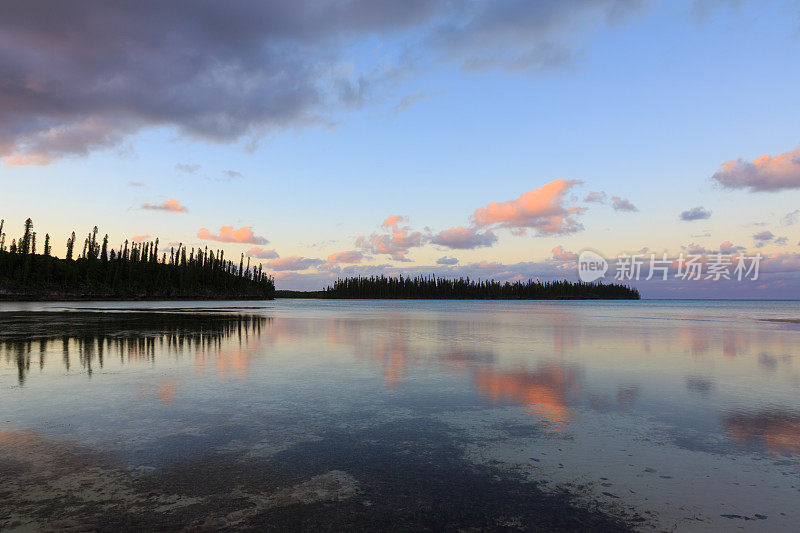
27,338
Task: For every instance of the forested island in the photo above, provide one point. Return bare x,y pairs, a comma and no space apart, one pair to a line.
140,271
135,270
436,288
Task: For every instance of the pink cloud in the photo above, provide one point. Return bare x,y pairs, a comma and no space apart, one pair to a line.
728,247
765,173
464,238
395,244
781,264
172,206
541,209
563,255
228,234
293,263
351,256
261,253
393,221
140,238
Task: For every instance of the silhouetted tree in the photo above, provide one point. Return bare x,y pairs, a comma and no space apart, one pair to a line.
25,243
465,288
132,271
70,246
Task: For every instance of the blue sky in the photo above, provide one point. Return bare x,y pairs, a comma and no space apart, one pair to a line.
641,100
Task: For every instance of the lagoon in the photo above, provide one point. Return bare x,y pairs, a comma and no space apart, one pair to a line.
401,414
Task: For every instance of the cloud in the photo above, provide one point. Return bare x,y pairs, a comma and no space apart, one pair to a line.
261,253
563,255
351,256
464,238
541,209
78,80
765,173
395,244
293,263
762,238
789,219
447,261
779,276
516,35
695,213
232,175
228,234
598,197
392,221
141,238
409,100
781,241
136,184
187,168
622,204
695,249
171,206
728,247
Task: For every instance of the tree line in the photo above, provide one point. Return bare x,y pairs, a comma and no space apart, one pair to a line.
432,287
134,270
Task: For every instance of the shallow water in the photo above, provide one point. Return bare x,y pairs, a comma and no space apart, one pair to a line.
329,414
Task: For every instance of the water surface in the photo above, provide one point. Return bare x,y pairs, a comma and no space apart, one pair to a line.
406,414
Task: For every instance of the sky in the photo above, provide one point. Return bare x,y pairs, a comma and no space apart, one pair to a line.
489,139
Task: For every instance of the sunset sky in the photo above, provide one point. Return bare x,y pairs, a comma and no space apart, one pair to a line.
494,139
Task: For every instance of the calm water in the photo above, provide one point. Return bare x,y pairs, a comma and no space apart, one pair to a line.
329,414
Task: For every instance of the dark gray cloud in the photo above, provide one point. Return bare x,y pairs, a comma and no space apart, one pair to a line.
79,76
447,261
695,213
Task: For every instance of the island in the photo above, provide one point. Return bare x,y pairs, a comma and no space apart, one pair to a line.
441,288
134,271
143,271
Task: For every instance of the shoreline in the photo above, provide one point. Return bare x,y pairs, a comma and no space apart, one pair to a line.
90,298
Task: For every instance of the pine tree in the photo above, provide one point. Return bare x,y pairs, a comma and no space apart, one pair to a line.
70,246
47,245
25,243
